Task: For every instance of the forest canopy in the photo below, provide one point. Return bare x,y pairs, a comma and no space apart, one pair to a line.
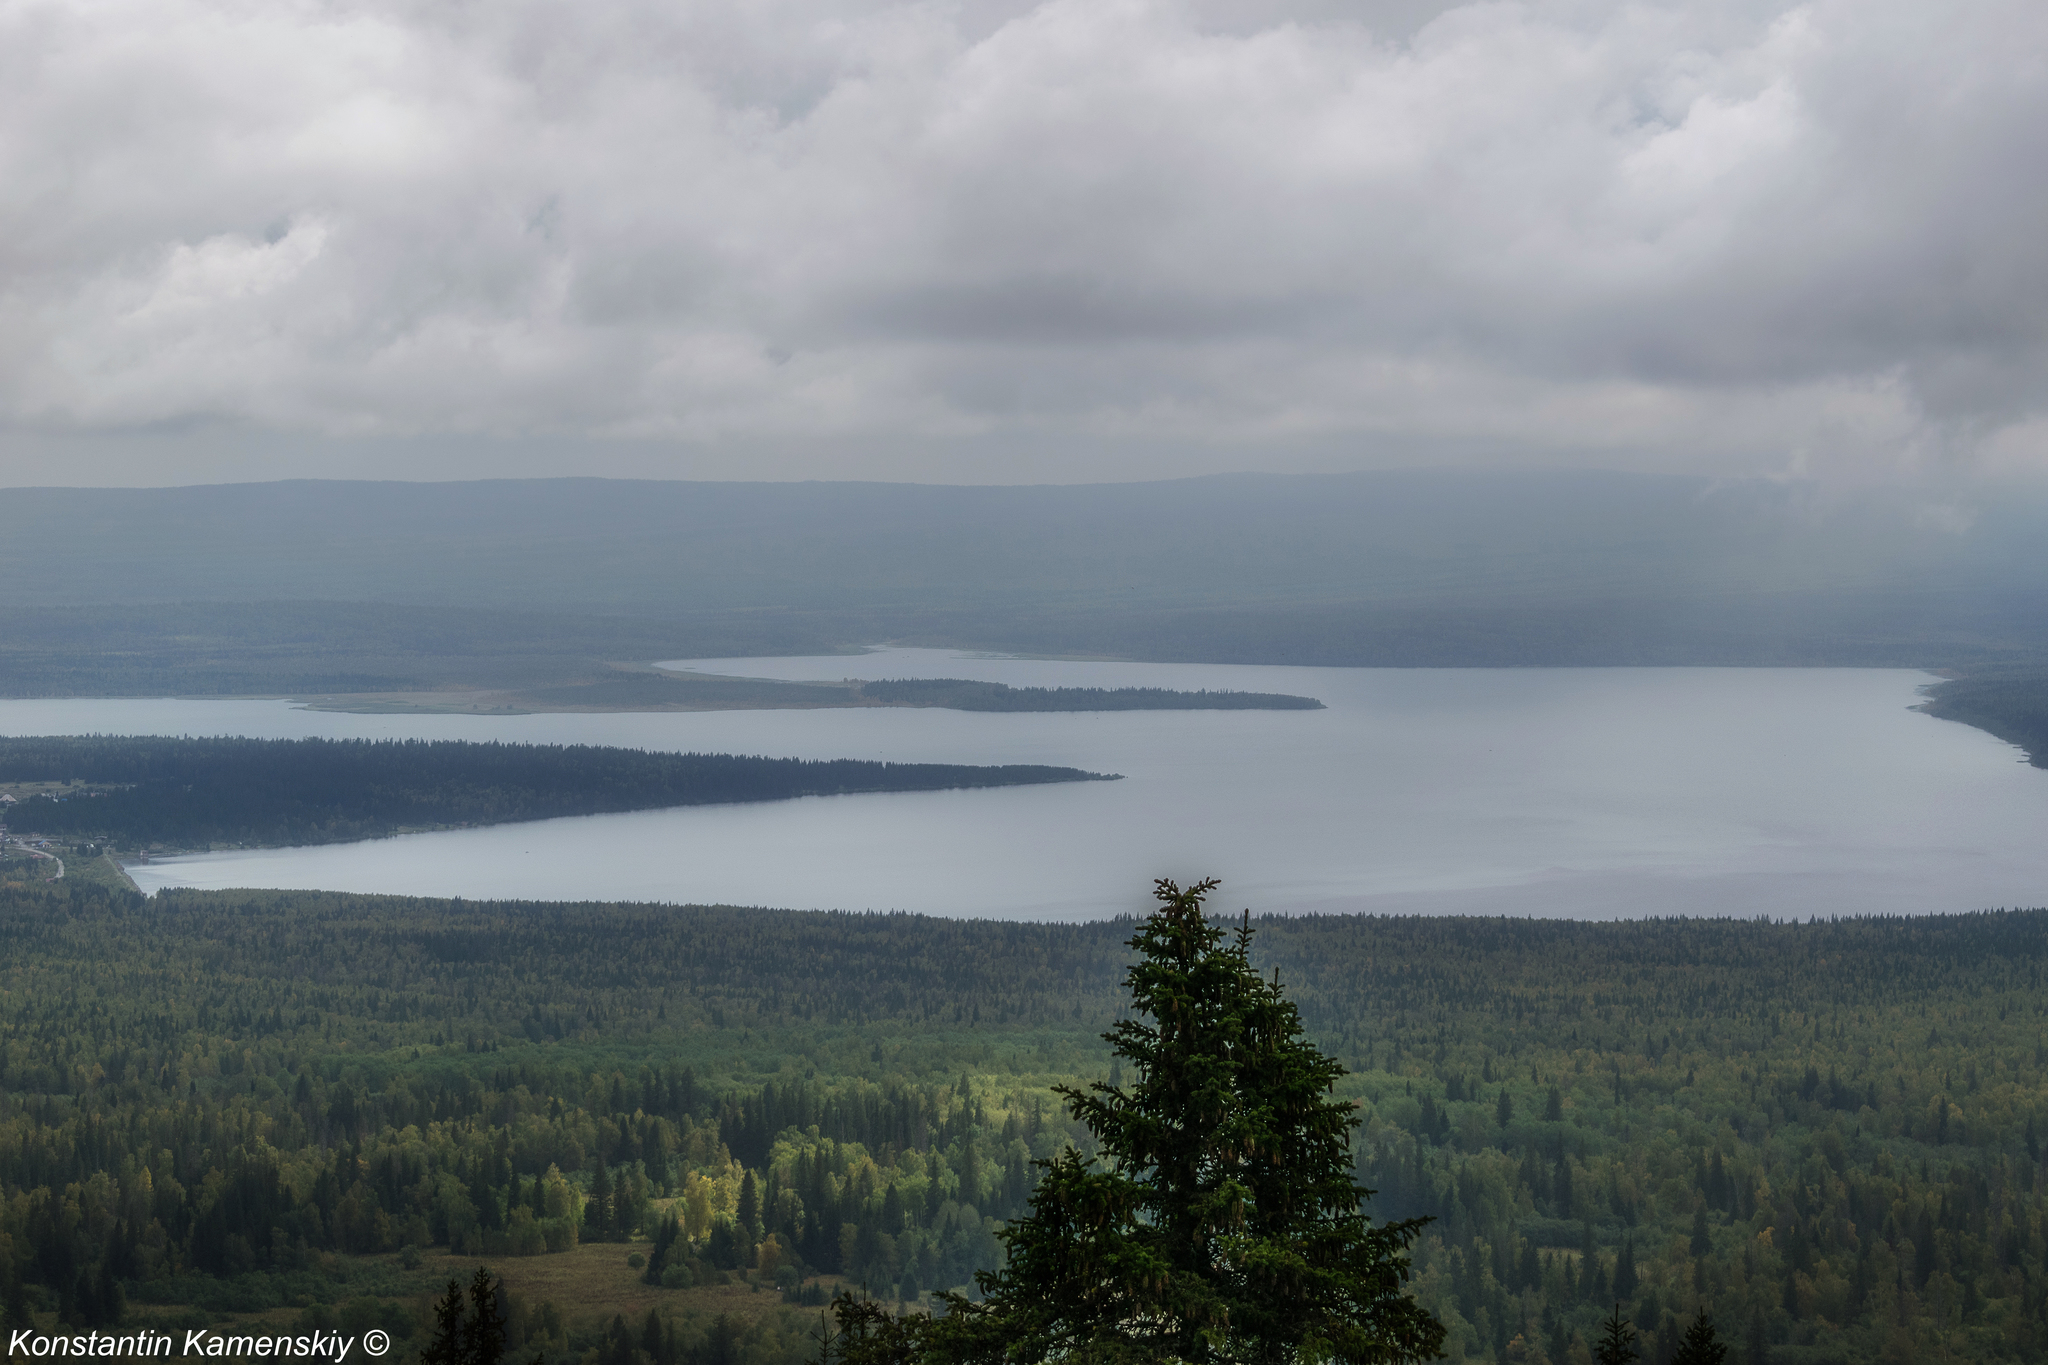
135,791
1829,1135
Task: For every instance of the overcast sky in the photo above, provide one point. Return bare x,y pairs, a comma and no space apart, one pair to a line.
1019,242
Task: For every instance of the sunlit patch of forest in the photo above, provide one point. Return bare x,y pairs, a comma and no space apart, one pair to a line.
310,1104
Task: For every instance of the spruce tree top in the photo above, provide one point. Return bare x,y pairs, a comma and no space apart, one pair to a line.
1222,1223
1617,1341
1702,1346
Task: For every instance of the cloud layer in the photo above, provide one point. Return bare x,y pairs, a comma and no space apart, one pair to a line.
1143,237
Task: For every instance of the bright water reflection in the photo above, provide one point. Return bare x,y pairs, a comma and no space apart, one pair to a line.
1581,792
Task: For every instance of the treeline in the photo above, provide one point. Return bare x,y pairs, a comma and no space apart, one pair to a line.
961,694
138,791
1828,1134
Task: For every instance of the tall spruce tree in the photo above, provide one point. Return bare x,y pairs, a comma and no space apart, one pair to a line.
1701,1345
1617,1341
1221,1223
750,1206
472,1333
597,1210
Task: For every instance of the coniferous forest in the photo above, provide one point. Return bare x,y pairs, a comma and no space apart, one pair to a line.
136,791
308,1107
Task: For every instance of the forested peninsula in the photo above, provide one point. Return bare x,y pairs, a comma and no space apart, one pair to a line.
136,792
308,1108
2011,703
641,688
961,694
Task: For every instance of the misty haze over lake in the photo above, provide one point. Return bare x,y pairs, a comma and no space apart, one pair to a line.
1564,792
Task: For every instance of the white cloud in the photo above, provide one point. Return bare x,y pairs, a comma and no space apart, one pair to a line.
1697,234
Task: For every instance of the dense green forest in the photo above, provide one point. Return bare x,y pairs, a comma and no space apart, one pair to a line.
2011,703
962,694
211,1103
137,791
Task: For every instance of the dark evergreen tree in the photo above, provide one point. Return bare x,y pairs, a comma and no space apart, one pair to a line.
722,1247
651,1340
970,1177
666,1237
1617,1341
617,1347
472,1332
486,1200
892,1211
16,1303
750,1206
597,1212
629,1191
1224,1224
721,1343
1701,1346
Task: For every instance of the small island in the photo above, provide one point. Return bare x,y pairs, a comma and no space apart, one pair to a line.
145,792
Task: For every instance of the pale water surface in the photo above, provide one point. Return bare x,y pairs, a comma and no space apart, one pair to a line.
1571,792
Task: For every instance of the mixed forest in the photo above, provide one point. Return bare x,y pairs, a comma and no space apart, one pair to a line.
674,1130
137,791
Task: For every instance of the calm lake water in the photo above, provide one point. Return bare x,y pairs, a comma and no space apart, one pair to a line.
1589,793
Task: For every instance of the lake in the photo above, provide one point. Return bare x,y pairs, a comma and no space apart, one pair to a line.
1588,793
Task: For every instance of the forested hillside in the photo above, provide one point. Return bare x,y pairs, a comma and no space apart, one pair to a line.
138,791
1830,1133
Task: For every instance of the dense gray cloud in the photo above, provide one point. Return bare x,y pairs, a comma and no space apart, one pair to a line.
1018,241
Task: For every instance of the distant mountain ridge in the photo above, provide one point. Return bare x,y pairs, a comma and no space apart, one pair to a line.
340,587
672,549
